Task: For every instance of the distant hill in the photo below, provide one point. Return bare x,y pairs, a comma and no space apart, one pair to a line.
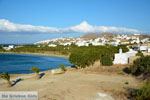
90,36
95,35
109,35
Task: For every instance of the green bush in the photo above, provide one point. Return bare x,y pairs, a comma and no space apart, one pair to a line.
6,77
124,48
141,66
139,53
86,56
106,60
143,93
35,69
1,49
62,67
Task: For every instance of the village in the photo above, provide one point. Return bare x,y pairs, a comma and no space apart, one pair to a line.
114,40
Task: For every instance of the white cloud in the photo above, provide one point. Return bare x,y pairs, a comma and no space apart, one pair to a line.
84,27
6,25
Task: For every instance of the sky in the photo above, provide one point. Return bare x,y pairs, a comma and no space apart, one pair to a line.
29,21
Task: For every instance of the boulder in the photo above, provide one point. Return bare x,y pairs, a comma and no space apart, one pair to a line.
57,71
103,96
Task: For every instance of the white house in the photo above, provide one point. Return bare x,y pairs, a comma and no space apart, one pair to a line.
97,43
52,45
123,58
82,43
9,47
67,43
145,40
143,48
148,50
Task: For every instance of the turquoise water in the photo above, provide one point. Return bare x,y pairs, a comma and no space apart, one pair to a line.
22,63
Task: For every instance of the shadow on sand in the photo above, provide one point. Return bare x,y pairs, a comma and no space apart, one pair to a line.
41,75
14,82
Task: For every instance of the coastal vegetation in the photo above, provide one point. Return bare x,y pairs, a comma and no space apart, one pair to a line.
86,56
36,70
106,60
1,49
139,53
143,93
42,49
59,49
6,77
62,67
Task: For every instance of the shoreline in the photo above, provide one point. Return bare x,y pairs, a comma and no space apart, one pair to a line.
40,54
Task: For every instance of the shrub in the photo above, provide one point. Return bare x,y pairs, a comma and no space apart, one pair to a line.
36,70
144,92
141,66
139,53
6,77
126,83
62,67
106,60
86,56
124,48
141,94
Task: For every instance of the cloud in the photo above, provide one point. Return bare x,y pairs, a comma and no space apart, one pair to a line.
84,27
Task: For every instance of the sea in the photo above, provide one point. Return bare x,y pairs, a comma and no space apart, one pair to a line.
22,63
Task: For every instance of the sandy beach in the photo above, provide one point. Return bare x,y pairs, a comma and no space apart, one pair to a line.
75,84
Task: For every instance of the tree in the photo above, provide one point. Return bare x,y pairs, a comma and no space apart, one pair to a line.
36,70
6,77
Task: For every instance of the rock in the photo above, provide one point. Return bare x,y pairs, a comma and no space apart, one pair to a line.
103,96
57,71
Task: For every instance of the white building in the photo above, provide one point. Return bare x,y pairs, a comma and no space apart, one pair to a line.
97,43
143,48
52,45
148,50
82,43
145,40
9,47
123,58
67,43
